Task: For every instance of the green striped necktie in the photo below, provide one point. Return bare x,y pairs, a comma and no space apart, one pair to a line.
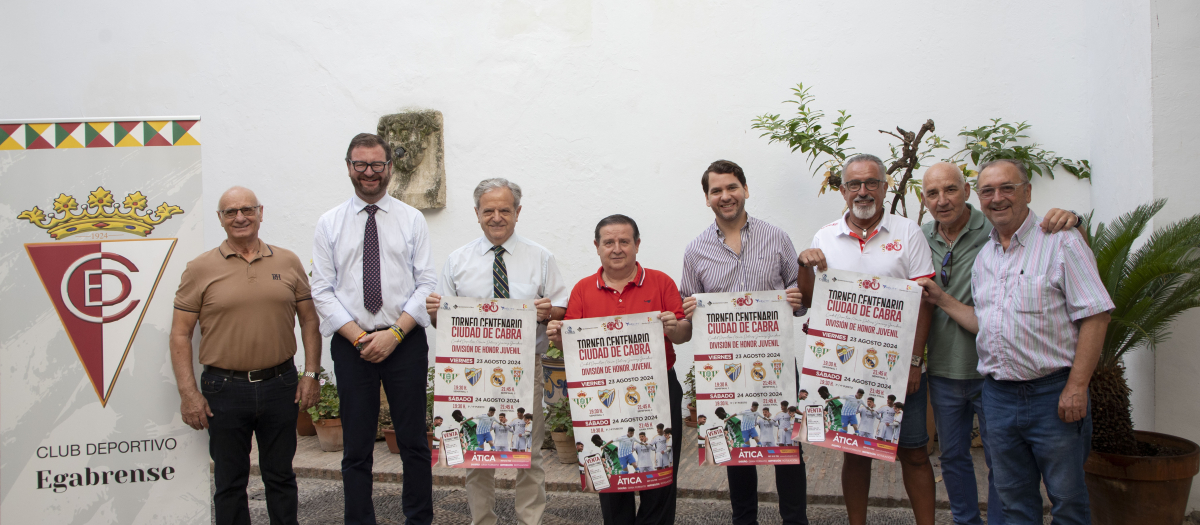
499,274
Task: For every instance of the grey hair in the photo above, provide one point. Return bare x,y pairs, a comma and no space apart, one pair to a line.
865,157
1014,163
487,185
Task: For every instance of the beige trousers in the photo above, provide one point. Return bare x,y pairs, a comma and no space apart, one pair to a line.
531,482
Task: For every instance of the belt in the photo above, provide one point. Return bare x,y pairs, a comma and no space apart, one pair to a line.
252,376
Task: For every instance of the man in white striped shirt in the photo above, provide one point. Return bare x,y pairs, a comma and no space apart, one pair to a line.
739,253
1040,315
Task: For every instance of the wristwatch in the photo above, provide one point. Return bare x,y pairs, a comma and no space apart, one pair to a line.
310,374
917,359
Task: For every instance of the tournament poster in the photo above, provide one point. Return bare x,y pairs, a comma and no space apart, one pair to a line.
620,407
856,361
745,378
482,385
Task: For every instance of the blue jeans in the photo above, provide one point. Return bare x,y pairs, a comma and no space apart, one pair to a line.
403,375
266,409
955,403
1030,444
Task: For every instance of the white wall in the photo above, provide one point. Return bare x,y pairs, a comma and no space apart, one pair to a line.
1176,63
594,107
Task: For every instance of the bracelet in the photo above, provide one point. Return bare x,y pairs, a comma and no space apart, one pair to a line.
398,332
359,338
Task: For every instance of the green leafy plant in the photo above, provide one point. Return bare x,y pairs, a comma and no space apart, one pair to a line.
554,352
558,418
429,399
1150,286
1000,140
329,406
690,381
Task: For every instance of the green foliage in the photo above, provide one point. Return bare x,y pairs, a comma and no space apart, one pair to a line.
429,399
329,406
558,417
554,352
690,381
999,140
806,133
1150,285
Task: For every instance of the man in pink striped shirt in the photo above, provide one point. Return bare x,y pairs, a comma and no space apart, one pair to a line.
1040,315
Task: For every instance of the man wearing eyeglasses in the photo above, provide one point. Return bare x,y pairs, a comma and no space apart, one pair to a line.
869,240
955,235
1040,312
371,274
246,295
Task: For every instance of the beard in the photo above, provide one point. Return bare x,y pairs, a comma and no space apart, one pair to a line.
864,209
380,189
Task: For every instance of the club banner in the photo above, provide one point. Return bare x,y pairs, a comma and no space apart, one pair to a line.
745,378
617,383
482,386
855,366
101,219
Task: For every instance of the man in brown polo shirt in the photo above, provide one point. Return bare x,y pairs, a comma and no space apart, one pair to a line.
246,295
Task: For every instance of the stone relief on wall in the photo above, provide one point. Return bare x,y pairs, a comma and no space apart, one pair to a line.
419,175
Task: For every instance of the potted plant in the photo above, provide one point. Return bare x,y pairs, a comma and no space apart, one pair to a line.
304,422
387,431
690,381
326,416
558,422
1135,476
554,374
428,407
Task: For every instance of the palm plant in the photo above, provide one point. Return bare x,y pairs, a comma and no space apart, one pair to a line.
1150,286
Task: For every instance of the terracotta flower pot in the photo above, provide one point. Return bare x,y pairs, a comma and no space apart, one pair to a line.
1142,489
565,447
304,424
389,436
554,379
329,434
691,419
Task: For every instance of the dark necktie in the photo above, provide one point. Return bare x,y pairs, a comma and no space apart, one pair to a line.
499,274
372,298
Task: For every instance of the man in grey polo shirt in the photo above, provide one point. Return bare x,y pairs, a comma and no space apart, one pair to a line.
955,236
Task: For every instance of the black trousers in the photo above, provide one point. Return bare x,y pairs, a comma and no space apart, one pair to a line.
403,375
658,505
791,482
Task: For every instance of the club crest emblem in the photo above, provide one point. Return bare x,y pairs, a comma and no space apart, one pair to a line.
445,306
651,390
570,330
777,367
631,395
892,357
844,353
819,348
699,303
448,375
473,375
870,360
498,377
824,277
607,396
582,399
758,373
733,370
517,372
708,373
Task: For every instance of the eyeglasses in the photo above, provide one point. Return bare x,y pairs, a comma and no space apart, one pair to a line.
230,213
1005,190
361,166
855,185
947,263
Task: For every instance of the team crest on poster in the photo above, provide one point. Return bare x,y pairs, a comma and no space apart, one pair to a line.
582,399
473,375
101,289
607,396
632,397
708,373
758,373
819,348
448,374
517,372
733,370
777,367
870,360
498,377
892,356
844,353
651,390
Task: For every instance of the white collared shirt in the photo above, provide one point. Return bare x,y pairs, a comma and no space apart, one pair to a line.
406,274
896,248
532,274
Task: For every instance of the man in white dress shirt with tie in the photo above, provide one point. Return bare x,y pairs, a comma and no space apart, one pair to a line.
503,265
371,273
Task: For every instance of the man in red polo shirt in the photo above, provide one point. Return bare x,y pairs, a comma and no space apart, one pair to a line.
621,287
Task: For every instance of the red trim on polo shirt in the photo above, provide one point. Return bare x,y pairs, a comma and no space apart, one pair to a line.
651,291
862,243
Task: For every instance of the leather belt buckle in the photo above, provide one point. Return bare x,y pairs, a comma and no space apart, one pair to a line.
262,374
